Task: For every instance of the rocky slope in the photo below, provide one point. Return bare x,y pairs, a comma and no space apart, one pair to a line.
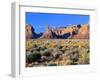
83,32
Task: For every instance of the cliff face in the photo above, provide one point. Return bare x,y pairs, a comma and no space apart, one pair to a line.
49,34
30,34
76,32
83,32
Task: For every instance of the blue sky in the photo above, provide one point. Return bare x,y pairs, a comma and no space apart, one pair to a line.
39,20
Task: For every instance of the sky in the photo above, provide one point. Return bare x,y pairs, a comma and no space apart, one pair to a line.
39,20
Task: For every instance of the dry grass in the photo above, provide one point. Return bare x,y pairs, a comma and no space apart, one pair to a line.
57,52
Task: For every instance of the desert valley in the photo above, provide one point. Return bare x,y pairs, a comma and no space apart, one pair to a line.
68,45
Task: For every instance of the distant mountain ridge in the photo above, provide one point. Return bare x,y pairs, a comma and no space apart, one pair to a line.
77,32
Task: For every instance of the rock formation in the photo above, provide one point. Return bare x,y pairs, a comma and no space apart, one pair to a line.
30,34
48,34
77,32
83,32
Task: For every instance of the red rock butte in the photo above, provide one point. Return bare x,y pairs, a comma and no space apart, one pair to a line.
75,32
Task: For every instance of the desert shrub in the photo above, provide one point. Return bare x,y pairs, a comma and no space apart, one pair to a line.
29,58
84,56
27,49
28,52
35,46
33,49
35,56
38,48
84,59
57,54
74,57
42,48
59,47
62,50
47,53
88,51
46,59
43,58
48,44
